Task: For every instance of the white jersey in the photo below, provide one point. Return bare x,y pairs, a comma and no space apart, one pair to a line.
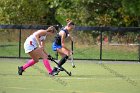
31,43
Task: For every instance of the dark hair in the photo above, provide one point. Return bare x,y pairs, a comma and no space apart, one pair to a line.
69,22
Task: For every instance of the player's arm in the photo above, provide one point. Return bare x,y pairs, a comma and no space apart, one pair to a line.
45,52
71,38
37,35
43,45
63,40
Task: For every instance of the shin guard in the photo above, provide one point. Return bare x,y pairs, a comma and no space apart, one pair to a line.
63,60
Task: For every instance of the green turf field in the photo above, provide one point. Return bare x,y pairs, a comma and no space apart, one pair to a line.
88,77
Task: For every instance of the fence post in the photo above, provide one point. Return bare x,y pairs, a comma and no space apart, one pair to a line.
19,44
101,45
58,29
139,47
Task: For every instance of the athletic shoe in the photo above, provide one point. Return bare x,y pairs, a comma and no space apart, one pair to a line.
60,69
20,70
55,71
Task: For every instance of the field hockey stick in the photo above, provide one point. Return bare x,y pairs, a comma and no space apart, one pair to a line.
52,59
73,65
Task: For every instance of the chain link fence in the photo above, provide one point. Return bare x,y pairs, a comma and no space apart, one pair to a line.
90,43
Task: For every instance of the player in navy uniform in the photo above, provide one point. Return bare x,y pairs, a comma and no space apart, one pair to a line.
59,44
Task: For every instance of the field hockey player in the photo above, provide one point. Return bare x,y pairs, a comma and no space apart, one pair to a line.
34,46
59,44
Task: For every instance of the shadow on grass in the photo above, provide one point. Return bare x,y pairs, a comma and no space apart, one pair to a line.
2,74
7,45
87,76
76,76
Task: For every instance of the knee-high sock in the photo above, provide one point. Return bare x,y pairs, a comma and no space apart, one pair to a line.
63,60
47,65
28,64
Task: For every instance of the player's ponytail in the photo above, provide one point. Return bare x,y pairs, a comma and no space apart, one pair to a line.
51,29
69,22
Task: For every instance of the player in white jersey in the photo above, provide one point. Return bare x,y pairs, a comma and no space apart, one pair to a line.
34,46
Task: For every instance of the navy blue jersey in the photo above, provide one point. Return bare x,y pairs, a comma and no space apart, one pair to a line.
66,32
58,37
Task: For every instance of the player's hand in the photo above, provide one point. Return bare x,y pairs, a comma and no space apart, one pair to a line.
41,47
71,52
50,57
72,39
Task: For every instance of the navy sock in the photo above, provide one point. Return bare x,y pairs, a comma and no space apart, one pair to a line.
63,60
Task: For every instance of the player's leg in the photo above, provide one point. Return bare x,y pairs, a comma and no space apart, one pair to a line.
31,62
46,62
64,54
57,68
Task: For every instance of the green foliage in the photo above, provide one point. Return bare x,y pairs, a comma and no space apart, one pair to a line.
132,7
25,12
83,12
98,13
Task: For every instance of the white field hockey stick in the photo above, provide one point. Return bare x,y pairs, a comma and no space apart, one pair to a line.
73,65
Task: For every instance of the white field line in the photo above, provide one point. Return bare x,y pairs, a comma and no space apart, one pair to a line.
76,78
25,88
42,89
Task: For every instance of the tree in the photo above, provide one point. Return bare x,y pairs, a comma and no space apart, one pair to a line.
132,8
27,12
82,12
